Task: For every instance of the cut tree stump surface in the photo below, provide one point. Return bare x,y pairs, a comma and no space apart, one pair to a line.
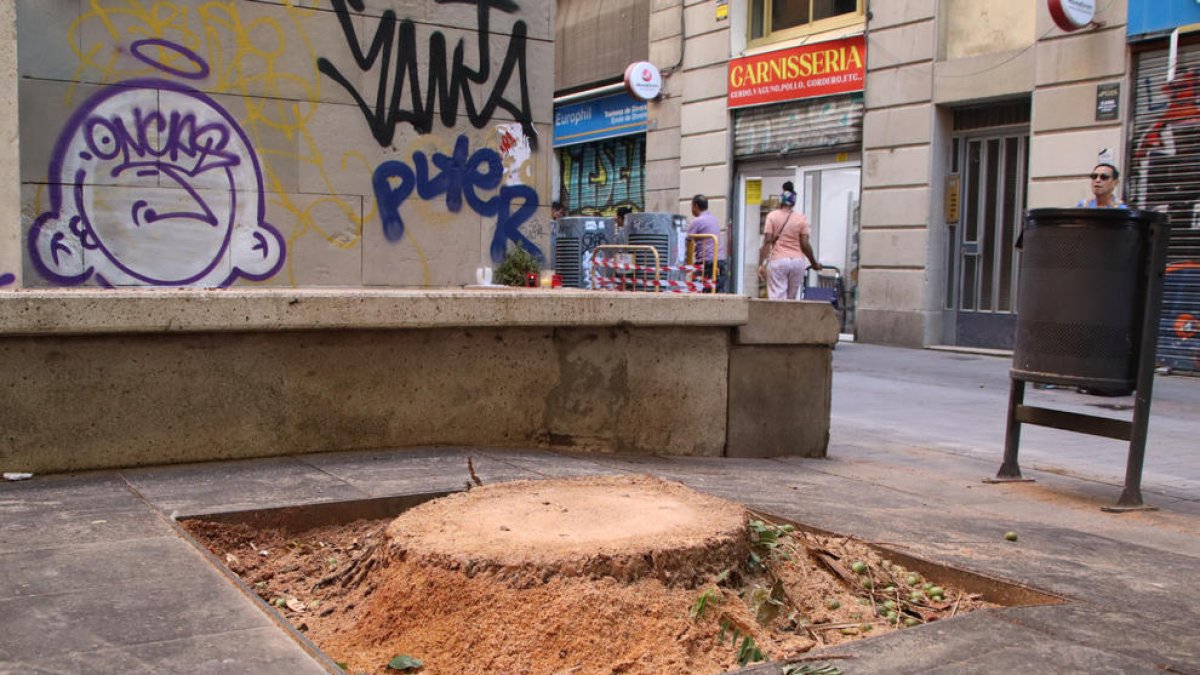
526,532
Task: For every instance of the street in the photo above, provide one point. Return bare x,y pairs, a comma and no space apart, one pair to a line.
955,403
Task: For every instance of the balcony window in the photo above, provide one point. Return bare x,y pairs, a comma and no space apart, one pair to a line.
772,20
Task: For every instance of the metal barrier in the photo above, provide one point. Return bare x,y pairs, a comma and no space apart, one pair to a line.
616,268
639,267
708,284
635,267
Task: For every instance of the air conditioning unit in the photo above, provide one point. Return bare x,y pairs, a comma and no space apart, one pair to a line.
575,239
663,231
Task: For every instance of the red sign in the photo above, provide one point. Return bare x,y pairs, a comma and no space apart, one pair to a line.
1072,15
821,69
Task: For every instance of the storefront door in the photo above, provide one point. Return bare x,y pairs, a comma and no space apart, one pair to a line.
828,195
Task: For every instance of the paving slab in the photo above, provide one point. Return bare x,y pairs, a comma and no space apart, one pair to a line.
976,643
196,600
913,396
150,562
1158,638
408,471
93,578
56,511
235,652
546,464
209,487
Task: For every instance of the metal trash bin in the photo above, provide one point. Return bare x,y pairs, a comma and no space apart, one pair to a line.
1081,295
1087,315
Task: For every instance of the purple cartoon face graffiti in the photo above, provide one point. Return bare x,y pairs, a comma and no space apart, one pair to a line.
152,183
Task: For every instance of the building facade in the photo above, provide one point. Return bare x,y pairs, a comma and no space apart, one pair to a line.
916,180
600,130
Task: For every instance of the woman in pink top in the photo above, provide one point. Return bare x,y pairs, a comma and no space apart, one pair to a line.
785,247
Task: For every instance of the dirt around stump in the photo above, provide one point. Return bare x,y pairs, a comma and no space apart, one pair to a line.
593,575
624,528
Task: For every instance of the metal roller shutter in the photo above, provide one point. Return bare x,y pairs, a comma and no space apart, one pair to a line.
598,177
1164,172
828,124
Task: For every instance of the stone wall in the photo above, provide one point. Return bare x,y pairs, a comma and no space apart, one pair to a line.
94,379
896,302
10,179
214,143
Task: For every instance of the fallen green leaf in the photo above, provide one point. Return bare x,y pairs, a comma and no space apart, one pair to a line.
702,602
749,652
405,662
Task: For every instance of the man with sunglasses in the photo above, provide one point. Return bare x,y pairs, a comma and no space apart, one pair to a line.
1104,182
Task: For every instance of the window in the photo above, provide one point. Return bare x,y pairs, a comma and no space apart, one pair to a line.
776,19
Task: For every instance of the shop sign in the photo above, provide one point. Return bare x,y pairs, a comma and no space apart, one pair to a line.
1147,17
1108,102
821,69
643,80
598,119
1072,15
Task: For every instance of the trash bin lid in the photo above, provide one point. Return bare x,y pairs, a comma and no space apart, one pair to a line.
1084,217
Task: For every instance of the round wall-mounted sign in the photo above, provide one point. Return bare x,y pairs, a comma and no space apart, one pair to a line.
643,80
1072,15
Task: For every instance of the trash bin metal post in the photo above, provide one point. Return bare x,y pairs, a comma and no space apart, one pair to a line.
1131,496
1010,470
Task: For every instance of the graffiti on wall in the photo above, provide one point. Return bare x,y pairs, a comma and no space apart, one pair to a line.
1177,104
142,207
1167,141
447,81
1166,149
201,95
1179,341
7,279
474,178
598,177
463,176
153,183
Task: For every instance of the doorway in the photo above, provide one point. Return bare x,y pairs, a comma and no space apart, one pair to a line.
990,172
828,194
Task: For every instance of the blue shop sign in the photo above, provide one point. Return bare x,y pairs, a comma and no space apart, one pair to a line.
598,119
1160,16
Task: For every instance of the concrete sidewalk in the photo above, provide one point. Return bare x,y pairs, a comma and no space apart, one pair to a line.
94,577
